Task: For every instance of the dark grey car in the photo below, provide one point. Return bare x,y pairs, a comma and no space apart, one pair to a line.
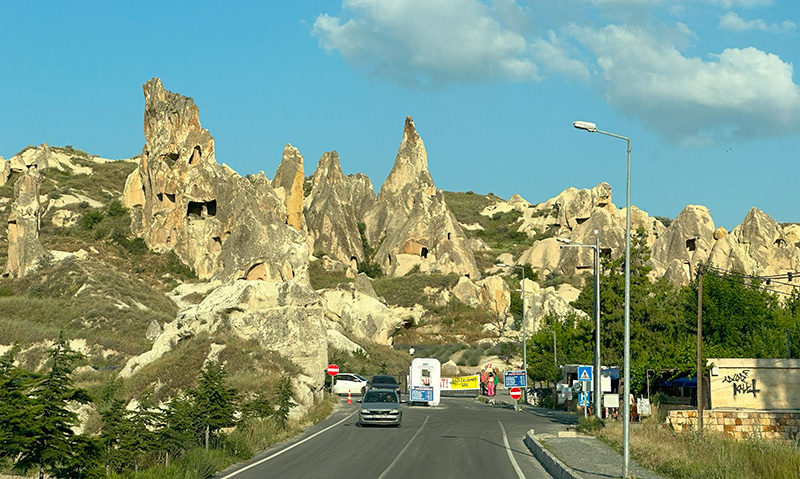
380,407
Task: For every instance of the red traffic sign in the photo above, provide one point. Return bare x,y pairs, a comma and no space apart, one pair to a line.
516,393
333,370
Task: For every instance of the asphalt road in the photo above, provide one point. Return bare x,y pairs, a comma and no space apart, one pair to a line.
460,438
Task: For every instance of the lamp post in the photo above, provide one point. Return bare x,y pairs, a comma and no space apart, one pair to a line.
597,363
524,329
626,423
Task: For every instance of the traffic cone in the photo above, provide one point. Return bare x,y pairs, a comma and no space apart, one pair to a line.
349,401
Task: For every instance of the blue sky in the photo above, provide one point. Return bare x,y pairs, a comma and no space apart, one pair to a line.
708,90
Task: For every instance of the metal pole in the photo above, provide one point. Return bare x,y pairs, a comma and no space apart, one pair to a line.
524,338
700,402
626,424
597,361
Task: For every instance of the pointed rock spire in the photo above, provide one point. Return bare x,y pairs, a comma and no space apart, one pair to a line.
411,221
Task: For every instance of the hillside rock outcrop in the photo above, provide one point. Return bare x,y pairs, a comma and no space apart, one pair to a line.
757,246
24,247
287,318
334,208
411,221
222,225
686,242
363,315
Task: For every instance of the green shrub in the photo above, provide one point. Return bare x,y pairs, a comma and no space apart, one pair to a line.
91,219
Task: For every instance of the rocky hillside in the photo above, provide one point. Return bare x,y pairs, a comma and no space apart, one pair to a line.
158,263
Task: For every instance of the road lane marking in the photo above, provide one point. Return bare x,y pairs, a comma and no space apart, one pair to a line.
288,448
382,476
520,475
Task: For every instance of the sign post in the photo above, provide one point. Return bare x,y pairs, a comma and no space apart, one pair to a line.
333,370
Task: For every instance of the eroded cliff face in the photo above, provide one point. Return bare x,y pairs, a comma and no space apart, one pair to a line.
222,225
411,221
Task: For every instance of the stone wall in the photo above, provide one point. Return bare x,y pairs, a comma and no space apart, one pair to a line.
740,424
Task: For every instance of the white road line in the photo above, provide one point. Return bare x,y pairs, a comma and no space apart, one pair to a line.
520,475
382,476
262,461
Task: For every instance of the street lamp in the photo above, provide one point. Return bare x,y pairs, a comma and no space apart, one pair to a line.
596,375
626,423
524,329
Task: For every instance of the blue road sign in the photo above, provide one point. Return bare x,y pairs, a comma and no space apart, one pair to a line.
515,379
583,399
421,393
584,373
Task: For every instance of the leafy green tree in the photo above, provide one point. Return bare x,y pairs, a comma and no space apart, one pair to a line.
658,329
214,401
50,447
82,461
740,319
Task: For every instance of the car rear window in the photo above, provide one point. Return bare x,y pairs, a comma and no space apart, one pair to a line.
384,380
380,396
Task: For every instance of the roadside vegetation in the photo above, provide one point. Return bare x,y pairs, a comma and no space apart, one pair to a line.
707,456
186,436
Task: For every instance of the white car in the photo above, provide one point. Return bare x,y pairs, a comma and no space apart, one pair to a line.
349,382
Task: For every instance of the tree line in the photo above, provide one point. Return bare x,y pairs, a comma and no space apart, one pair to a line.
741,319
37,420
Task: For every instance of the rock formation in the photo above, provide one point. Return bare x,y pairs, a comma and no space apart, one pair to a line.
220,224
411,221
334,208
362,314
685,243
758,246
288,184
24,247
286,318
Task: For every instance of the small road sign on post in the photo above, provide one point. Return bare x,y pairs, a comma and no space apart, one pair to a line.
333,370
515,393
584,373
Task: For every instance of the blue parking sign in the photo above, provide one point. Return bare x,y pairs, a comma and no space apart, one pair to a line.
583,399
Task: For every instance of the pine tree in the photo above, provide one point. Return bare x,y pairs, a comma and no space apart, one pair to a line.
50,444
215,402
16,412
116,426
175,430
284,400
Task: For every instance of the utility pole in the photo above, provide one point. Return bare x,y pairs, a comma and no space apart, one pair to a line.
700,349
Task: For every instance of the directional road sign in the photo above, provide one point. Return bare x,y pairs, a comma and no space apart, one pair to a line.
584,373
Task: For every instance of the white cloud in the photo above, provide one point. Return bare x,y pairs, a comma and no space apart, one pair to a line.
419,42
741,3
739,93
551,54
734,23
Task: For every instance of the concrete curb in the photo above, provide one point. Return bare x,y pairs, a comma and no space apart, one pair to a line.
552,465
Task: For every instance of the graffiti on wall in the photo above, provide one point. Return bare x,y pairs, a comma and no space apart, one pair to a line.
742,384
